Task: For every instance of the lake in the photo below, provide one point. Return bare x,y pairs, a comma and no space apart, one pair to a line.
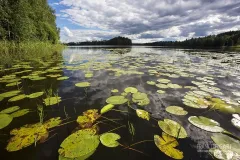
158,103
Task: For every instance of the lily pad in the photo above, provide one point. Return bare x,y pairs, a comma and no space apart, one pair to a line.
224,154
205,123
151,82
161,85
26,136
83,84
225,142
106,108
53,122
110,139
9,94
17,98
163,80
75,145
114,91
13,84
131,90
52,100
176,110
10,109
172,128
35,95
167,145
140,98
92,114
236,120
20,113
143,114
5,120
116,100
62,78
161,91
84,122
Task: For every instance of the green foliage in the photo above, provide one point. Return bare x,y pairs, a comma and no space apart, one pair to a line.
24,51
24,20
231,38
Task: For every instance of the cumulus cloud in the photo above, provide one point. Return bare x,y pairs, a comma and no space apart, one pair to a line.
148,20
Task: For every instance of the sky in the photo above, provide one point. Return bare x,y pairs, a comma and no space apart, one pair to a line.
144,20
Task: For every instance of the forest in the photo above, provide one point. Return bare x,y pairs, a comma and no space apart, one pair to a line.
231,38
114,41
28,20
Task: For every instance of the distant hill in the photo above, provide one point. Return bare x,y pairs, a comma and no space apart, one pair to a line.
231,38
114,41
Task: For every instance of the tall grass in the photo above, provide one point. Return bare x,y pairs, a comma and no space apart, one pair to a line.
11,51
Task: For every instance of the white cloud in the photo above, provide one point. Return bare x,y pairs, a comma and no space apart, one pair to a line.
147,20
67,32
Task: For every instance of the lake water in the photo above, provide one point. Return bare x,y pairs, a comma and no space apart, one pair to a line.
190,79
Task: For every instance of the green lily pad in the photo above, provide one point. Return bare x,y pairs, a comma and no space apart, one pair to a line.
141,99
78,144
35,95
116,100
10,109
143,114
53,122
20,113
151,82
114,91
13,84
163,86
139,96
17,98
37,78
10,94
83,84
62,78
106,108
52,100
226,154
5,120
176,110
205,124
174,86
89,75
26,136
1,98
172,128
167,145
161,91
161,80
131,90
225,142
110,139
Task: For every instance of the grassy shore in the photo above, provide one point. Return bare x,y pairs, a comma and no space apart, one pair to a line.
11,51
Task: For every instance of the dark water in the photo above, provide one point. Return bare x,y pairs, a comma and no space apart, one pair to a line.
99,60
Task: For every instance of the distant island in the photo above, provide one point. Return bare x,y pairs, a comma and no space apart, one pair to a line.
228,39
114,41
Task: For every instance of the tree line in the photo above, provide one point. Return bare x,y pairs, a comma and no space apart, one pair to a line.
231,38
27,20
114,41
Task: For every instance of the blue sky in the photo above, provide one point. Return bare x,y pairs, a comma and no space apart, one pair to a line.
144,20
